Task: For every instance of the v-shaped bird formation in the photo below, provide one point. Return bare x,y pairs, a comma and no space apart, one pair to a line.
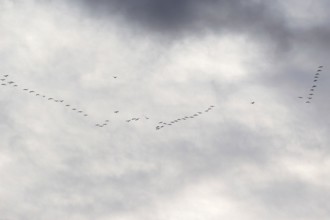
162,124
74,109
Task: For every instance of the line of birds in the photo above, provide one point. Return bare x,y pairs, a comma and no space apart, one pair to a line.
163,124
38,94
6,82
104,123
311,91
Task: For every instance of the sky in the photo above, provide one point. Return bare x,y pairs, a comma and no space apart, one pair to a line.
128,65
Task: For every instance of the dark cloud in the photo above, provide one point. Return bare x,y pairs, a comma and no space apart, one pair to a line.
268,24
175,17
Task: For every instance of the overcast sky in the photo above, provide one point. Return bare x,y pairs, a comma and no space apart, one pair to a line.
164,60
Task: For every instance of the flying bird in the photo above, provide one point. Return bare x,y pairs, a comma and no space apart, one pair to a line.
5,75
116,111
252,103
300,97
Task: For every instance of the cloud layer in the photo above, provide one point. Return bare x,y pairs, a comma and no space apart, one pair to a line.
268,160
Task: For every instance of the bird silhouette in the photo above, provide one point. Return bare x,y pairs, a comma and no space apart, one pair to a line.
252,103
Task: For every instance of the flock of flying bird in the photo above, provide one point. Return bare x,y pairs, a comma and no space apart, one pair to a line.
311,91
161,124
6,82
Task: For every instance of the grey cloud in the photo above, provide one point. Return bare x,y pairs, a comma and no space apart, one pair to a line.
56,166
177,17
